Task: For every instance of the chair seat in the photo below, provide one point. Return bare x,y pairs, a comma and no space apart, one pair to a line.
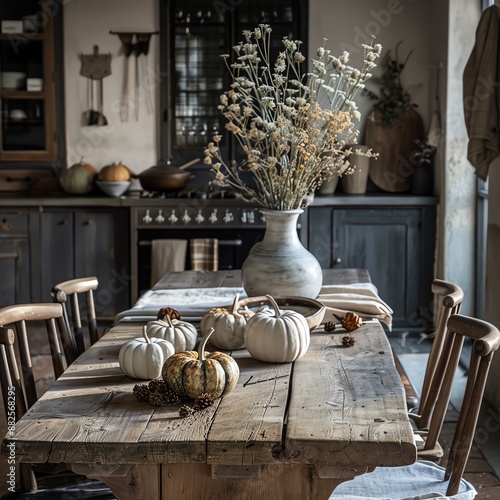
423,479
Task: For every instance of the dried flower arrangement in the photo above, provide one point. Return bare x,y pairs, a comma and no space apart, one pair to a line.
293,128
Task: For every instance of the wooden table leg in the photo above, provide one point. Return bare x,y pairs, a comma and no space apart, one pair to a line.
142,482
273,482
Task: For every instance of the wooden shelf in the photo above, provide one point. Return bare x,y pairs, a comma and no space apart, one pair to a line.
21,94
23,36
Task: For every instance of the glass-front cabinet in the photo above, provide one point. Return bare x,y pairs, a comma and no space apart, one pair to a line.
194,35
27,93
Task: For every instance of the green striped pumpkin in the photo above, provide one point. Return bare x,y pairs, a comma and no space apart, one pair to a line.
191,373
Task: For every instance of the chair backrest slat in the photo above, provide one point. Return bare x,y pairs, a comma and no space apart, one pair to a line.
26,364
67,294
486,341
451,298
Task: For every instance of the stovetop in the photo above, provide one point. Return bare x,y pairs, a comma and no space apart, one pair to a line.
190,194
196,207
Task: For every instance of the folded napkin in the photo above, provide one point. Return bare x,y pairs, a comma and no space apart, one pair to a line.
361,298
167,256
191,303
204,254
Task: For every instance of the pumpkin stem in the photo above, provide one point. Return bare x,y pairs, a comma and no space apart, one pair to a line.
145,334
168,320
235,305
203,343
277,311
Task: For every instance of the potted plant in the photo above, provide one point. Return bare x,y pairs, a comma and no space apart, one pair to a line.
392,128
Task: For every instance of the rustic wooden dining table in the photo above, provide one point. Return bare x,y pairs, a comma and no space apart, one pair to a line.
287,431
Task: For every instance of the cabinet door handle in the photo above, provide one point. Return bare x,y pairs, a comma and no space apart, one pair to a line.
230,243
338,260
6,256
63,222
88,222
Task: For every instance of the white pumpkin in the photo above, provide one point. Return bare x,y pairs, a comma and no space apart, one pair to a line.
281,338
181,334
228,325
144,358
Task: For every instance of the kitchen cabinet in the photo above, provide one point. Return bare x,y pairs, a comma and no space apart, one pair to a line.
396,245
87,242
40,247
28,80
15,252
193,36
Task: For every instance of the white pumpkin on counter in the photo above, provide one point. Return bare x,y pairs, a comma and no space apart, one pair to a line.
281,337
181,334
143,358
228,325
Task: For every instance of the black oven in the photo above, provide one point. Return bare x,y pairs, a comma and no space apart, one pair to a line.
236,227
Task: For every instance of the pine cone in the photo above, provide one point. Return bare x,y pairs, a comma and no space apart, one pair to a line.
185,411
168,311
203,401
158,386
348,341
141,392
330,326
172,397
351,321
157,398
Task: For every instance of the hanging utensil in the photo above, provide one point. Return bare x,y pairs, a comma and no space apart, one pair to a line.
128,48
95,67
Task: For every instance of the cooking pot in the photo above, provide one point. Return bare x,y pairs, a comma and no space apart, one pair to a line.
166,177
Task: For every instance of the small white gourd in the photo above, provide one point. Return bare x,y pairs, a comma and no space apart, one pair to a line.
181,334
280,338
228,325
143,358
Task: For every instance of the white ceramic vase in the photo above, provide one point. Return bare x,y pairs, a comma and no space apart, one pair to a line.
280,264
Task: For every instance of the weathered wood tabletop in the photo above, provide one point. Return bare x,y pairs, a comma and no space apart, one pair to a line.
293,430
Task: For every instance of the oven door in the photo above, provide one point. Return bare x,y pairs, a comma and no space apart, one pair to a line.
234,246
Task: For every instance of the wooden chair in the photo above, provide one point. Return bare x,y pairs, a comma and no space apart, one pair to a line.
20,375
424,477
428,413
67,294
17,378
432,407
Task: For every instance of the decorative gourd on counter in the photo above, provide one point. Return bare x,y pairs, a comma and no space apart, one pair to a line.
191,374
76,180
116,172
279,338
228,325
86,165
144,358
181,334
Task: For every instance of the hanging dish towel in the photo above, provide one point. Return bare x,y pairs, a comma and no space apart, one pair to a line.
167,256
204,254
361,298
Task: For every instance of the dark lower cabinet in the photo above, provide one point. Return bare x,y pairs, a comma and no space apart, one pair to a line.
87,242
15,269
102,250
395,244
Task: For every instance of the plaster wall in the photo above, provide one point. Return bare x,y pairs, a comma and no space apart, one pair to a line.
458,187
87,23
347,25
